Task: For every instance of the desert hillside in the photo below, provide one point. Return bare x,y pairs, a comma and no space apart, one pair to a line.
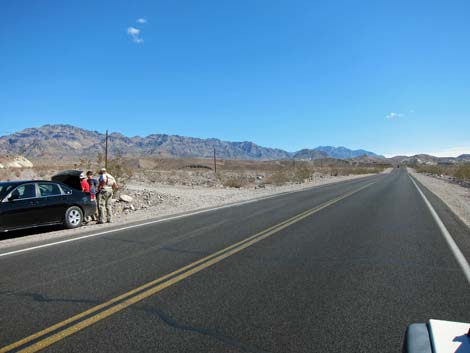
67,142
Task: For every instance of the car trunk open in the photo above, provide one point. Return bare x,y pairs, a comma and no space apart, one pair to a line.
70,178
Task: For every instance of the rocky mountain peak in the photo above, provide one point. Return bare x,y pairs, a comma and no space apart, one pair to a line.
64,141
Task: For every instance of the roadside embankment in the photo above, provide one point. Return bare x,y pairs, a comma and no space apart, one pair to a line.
454,195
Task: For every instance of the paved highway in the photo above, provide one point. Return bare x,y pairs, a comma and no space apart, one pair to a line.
338,268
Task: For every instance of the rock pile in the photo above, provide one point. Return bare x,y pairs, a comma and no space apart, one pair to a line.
141,200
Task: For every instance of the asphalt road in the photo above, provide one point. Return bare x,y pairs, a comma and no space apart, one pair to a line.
339,268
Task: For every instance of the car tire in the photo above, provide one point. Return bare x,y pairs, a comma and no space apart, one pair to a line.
73,217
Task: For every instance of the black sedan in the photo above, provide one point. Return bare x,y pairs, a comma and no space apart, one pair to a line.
26,204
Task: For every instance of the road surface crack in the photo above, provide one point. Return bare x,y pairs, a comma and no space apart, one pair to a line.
166,318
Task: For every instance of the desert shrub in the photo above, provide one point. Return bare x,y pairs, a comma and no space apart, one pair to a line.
376,170
84,164
235,182
119,171
301,174
463,172
278,178
433,169
361,170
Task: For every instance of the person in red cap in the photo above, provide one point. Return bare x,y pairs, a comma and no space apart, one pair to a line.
84,183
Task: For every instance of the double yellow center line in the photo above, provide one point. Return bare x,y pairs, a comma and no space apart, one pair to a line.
63,329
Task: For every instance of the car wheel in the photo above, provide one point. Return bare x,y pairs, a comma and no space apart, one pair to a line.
73,217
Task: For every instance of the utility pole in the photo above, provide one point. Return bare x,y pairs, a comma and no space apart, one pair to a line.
106,151
215,162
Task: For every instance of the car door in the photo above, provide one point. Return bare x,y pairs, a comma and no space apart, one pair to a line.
19,207
51,203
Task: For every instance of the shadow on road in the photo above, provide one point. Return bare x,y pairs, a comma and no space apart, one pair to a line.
31,231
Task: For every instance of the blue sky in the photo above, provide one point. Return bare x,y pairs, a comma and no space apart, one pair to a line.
392,77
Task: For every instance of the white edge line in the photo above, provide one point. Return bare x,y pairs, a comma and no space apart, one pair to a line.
450,241
163,219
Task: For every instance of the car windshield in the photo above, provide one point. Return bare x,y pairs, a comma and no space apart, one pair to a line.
5,188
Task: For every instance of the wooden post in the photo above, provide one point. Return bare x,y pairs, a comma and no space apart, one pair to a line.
215,162
106,151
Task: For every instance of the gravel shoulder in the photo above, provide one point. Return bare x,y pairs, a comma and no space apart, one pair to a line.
455,196
158,201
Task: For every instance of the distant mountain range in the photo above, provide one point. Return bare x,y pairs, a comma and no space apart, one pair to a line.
65,142
426,159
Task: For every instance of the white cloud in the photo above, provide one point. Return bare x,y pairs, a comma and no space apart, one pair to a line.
135,34
394,115
133,31
141,20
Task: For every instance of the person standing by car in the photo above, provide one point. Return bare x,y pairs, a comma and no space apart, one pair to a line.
85,188
84,183
93,183
94,192
107,184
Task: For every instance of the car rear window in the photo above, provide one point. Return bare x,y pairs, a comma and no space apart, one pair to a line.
66,189
49,189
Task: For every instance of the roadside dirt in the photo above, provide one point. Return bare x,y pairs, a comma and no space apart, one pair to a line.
454,195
